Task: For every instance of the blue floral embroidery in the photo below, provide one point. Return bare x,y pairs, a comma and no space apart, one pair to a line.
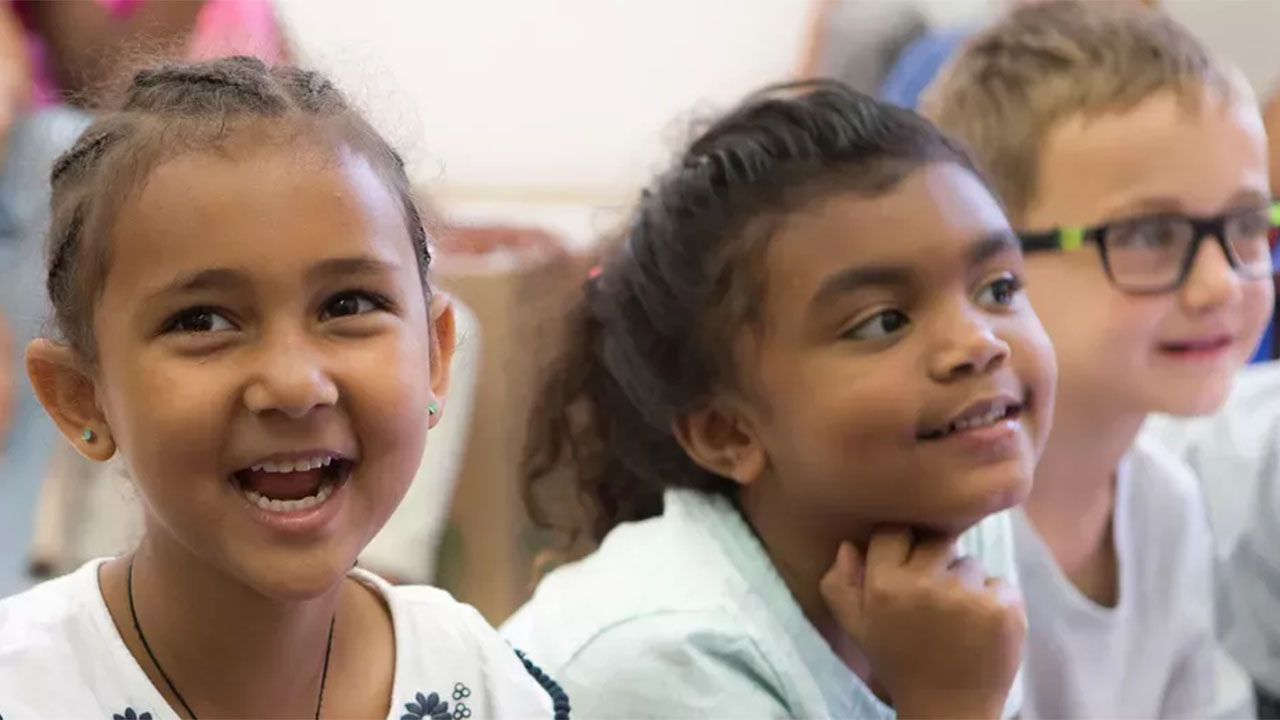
430,707
129,714
461,712
460,692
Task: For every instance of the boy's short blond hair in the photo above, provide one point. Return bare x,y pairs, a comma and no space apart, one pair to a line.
1011,84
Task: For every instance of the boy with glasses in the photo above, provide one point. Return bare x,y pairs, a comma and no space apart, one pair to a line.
1137,167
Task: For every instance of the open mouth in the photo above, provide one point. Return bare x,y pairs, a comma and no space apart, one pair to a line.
292,485
981,415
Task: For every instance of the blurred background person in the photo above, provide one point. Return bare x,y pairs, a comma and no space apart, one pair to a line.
55,60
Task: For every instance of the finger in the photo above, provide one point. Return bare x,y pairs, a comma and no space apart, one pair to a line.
968,571
848,568
888,547
933,554
1007,594
841,589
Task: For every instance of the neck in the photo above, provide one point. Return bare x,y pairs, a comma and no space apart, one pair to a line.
1072,501
229,651
802,556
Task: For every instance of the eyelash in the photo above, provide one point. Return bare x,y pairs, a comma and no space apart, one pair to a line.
1013,285
171,326
851,333
379,302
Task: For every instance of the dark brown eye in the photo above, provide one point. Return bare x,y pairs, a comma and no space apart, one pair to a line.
351,303
880,325
198,320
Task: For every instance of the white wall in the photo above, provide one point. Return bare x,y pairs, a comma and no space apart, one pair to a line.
550,99
564,107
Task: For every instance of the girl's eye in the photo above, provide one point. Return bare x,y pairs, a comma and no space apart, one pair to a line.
198,320
880,325
351,303
1002,292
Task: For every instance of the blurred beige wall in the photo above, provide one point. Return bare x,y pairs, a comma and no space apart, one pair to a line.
554,98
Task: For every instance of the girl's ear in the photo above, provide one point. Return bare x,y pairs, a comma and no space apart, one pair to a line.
443,340
722,441
66,389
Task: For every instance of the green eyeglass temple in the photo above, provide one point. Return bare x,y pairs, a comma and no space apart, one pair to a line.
1074,237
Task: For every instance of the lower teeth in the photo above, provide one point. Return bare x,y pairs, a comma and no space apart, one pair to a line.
266,503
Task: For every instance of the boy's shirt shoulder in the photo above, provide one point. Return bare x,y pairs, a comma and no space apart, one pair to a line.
1152,654
1235,456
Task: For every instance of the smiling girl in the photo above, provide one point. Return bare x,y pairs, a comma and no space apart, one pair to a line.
800,393
239,279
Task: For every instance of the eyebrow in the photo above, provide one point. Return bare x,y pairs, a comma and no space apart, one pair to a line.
1172,205
348,266
208,279
224,278
846,281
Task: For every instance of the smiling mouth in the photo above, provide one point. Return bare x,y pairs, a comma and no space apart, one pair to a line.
1207,346
294,485
984,416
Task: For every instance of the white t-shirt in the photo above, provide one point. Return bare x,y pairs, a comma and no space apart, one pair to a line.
1154,654
61,656
1235,453
684,616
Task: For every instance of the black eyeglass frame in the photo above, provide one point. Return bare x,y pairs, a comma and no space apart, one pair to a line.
1074,237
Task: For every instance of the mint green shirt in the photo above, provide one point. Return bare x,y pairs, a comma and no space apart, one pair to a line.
685,616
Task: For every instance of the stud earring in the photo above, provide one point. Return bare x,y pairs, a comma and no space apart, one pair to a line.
433,408
87,434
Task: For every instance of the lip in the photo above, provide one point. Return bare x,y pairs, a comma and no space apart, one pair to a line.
997,442
296,455
302,523
975,409
1204,347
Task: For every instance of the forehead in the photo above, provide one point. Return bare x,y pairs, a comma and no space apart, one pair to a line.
257,206
926,224
1199,156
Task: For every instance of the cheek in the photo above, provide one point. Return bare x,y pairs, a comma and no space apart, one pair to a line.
1087,319
852,413
1258,306
387,389
165,414
1036,364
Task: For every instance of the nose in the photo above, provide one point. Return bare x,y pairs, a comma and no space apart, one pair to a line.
1212,281
968,346
289,378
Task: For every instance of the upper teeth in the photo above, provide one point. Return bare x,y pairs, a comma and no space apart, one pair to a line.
302,465
987,418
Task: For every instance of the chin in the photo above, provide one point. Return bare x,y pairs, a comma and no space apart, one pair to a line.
993,489
1190,400
293,577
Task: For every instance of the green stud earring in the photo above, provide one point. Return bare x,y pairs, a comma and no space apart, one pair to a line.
87,434
433,408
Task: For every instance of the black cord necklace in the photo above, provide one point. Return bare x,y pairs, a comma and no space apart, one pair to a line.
324,675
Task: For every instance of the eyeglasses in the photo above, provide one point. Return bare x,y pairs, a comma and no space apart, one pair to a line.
1154,253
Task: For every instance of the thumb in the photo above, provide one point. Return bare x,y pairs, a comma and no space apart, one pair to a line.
841,589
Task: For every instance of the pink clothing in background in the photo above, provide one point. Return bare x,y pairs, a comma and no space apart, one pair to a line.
223,27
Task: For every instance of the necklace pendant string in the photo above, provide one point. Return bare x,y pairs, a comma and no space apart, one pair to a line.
324,674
